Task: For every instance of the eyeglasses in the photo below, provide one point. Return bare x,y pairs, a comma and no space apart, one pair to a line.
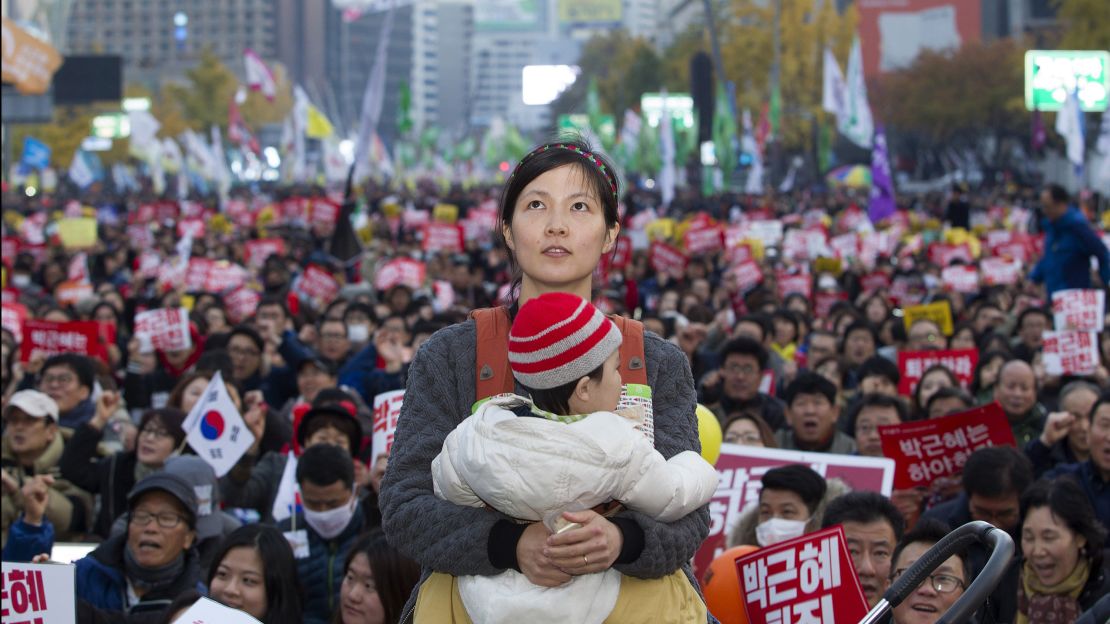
738,369
942,583
924,338
63,379
166,520
156,433
747,438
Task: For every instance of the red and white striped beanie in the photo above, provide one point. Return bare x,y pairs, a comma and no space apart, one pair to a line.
558,338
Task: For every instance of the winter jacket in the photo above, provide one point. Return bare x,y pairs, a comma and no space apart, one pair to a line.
27,540
530,467
68,508
841,443
322,570
102,585
253,483
109,477
457,540
743,532
1087,475
1045,458
1068,246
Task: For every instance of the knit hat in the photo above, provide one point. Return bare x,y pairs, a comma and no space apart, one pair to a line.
558,338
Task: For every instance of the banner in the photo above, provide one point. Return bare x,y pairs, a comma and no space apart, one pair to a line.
34,593
443,237
47,338
939,312
913,364
405,271
1078,309
742,467
79,233
807,579
925,450
215,429
29,62
666,259
164,329
387,410
1070,353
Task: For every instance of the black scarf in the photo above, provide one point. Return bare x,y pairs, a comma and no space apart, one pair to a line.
151,579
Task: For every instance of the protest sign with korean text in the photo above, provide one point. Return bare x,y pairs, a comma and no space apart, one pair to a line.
241,304
1079,309
256,251
939,447
404,271
216,430
71,292
741,469
939,312
788,283
1000,271
443,237
14,315
807,579
47,338
823,302
913,364
1070,353
748,275
387,410
666,259
163,329
318,284
702,240
37,593
961,278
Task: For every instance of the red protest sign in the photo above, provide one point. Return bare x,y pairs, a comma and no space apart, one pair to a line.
241,304
196,275
622,253
405,271
928,449
1078,309
443,237
801,283
742,467
874,281
47,338
846,246
145,213
70,292
1000,271
415,219
256,251
961,278
148,264
14,315
387,411
943,254
823,302
666,259
9,249
192,228
702,240
804,244
239,212
913,364
1070,353
325,213
223,276
319,284
748,275
806,579
163,329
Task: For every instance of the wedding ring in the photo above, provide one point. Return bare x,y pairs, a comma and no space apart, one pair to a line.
585,560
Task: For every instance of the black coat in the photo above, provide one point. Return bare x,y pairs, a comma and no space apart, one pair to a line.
111,477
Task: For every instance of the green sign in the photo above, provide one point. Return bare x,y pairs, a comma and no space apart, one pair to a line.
111,126
581,122
679,105
1051,74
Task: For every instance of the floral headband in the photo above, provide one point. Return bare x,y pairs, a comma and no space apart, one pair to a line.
570,147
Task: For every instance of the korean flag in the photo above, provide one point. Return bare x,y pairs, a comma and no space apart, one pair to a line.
215,429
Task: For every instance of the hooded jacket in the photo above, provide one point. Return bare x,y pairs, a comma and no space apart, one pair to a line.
68,508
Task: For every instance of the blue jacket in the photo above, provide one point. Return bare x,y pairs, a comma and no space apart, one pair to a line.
26,540
1068,246
1097,490
322,570
101,584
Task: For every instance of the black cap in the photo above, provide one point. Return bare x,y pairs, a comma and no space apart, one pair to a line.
172,484
324,364
347,421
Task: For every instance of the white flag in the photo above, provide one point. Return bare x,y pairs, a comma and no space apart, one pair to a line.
215,429
299,116
221,172
259,77
857,125
80,171
289,493
1069,125
144,127
833,93
666,150
630,130
375,91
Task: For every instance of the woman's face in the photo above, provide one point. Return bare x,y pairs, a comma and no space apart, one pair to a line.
105,314
931,383
743,432
964,339
192,393
240,582
926,605
875,311
155,443
558,232
358,596
153,544
1050,545
785,332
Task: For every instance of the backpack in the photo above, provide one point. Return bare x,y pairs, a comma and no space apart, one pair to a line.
492,372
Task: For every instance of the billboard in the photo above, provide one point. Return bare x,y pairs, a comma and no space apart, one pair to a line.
541,84
589,11
679,105
1051,74
508,15
893,32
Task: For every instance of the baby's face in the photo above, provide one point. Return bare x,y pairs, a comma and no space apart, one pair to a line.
605,391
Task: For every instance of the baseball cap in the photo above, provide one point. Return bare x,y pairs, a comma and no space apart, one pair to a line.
206,488
172,484
33,403
323,364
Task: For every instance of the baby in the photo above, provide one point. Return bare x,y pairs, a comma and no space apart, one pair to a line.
561,449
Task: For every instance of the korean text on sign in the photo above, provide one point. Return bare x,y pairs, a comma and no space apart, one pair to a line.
913,364
387,411
32,593
805,580
939,447
1077,309
1070,352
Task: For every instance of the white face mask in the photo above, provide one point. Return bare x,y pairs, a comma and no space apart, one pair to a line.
331,523
21,280
358,333
778,530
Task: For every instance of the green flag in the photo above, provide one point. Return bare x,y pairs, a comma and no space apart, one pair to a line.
776,113
404,119
724,132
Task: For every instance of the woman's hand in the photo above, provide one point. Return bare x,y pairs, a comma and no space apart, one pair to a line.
255,417
536,566
106,405
593,547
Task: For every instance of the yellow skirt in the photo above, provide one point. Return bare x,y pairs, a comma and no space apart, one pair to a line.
668,600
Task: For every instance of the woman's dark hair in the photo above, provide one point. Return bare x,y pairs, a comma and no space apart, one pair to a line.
809,382
177,395
743,345
802,480
927,531
859,325
543,159
964,326
873,400
1068,502
953,392
284,596
984,362
80,365
765,434
782,314
395,575
170,417
184,600
928,371
879,366
557,400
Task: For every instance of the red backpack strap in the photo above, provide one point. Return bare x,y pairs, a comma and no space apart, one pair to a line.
492,373
633,364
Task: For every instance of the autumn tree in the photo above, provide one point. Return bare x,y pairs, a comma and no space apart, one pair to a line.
625,68
1085,24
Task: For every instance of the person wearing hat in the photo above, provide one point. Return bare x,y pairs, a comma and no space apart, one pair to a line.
560,451
31,447
143,569
313,375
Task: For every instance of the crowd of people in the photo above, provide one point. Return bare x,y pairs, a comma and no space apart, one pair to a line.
94,448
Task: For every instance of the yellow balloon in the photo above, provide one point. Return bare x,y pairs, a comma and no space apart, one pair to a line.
709,432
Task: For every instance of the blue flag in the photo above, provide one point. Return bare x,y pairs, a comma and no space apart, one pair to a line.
36,155
882,185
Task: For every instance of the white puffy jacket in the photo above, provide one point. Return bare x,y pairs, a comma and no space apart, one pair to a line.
532,469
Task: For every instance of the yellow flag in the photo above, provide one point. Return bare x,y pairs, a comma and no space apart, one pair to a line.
318,125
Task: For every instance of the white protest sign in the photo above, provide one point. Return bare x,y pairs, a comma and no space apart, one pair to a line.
208,611
387,410
215,429
1070,352
164,329
34,593
1078,309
